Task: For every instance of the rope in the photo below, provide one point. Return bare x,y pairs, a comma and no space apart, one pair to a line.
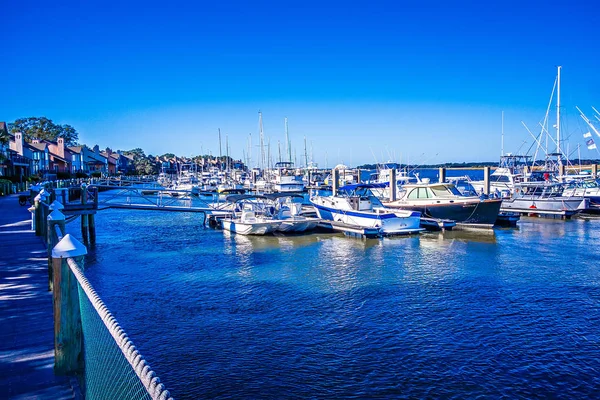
148,378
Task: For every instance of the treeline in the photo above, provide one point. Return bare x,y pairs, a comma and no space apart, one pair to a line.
479,164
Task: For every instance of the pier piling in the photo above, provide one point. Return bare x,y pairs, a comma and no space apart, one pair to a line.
68,333
442,175
486,181
393,184
54,218
595,170
335,181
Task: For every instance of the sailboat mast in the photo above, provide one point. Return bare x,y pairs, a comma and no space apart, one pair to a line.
288,147
220,151
558,117
305,153
262,144
502,144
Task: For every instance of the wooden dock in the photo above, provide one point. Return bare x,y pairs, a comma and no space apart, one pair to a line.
27,333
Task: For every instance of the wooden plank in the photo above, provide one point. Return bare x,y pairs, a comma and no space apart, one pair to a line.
27,334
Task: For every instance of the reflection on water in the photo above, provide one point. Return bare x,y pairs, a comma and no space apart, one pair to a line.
503,313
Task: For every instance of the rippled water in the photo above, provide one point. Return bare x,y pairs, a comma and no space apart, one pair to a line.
510,313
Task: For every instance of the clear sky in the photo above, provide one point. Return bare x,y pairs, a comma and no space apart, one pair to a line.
424,82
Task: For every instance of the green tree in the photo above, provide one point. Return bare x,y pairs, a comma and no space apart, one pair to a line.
143,165
43,128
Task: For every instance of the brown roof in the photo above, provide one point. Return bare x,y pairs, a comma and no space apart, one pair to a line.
39,146
75,149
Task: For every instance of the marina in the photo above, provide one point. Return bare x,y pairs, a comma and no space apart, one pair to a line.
312,201
333,316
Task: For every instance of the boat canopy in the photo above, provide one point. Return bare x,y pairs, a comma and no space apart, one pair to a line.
238,197
356,186
274,196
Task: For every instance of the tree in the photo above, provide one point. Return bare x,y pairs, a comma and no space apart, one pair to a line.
143,165
44,129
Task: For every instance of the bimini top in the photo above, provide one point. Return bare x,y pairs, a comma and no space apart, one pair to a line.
237,197
356,186
273,196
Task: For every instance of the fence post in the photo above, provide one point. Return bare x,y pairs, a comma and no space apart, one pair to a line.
56,217
84,217
68,334
38,199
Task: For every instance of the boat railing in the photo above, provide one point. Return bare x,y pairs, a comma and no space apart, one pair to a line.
89,342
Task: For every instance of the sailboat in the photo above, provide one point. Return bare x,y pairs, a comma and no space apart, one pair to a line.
538,193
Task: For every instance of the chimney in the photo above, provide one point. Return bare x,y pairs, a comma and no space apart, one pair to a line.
108,151
97,149
61,147
19,143
35,141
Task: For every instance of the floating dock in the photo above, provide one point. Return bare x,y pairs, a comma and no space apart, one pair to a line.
350,230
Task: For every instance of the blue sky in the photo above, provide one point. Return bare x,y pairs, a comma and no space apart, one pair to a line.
363,82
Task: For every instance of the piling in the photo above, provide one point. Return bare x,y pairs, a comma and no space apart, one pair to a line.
594,170
335,181
561,171
84,216
68,334
54,218
486,181
526,174
393,184
92,228
442,175
358,179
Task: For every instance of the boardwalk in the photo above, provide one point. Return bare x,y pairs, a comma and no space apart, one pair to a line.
26,333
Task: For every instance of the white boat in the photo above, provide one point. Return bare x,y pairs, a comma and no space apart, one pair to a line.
288,212
356,205
285,179
544,198
250,216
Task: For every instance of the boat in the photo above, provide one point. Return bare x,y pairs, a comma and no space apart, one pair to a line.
285,179
250,216
544,198
289,211
444,201
356,205
511,171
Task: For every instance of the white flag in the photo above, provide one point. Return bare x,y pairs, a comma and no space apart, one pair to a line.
589,134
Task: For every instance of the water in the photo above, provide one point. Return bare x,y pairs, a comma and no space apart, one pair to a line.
512,313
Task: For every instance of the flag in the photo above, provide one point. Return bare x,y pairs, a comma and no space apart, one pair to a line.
586,135
590,144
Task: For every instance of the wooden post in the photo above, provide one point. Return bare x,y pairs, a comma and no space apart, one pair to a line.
92,228
595,170
393,184
335,181
358,180
68,333
442,175
54,218
526,174
486,181
84,216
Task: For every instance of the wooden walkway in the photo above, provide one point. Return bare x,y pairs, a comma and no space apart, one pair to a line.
26,321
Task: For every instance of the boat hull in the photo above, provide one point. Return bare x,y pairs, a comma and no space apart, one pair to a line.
562,206
473,213
388,222
249,228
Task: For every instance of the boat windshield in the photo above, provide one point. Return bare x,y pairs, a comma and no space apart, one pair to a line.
445,191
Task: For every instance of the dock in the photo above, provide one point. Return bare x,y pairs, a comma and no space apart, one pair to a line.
350,230
26,314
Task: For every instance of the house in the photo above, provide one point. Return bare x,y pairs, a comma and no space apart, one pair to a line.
94,161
